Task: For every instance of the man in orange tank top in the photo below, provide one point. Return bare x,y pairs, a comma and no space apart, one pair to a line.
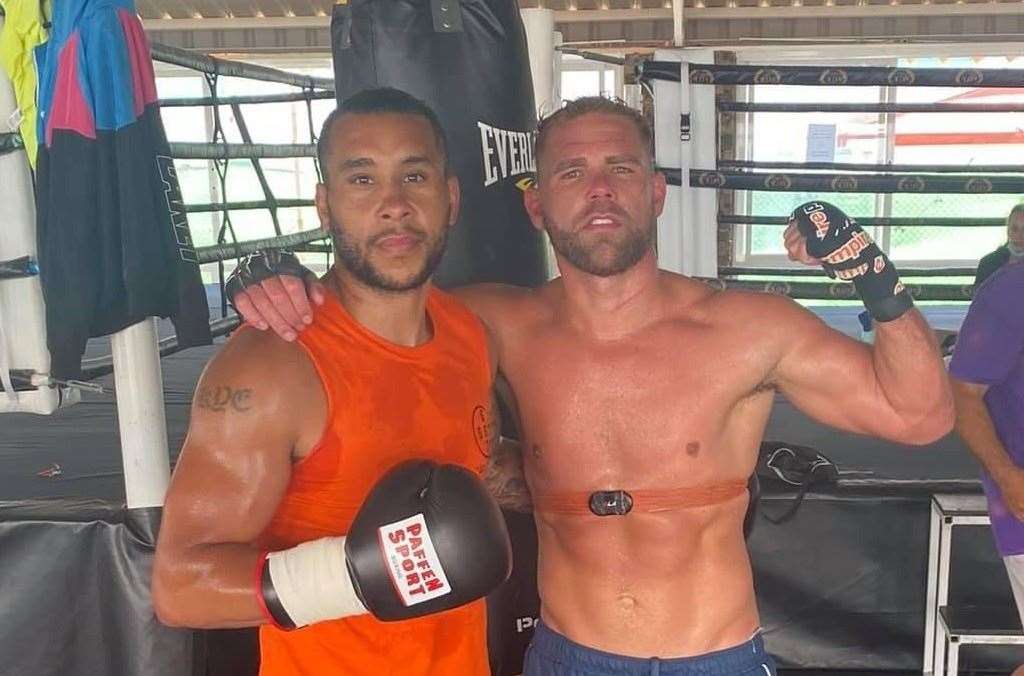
329,489
643,396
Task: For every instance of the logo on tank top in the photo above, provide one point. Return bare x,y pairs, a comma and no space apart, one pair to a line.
483,429
505,153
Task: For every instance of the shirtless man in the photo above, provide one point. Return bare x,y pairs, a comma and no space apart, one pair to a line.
643,396
331,483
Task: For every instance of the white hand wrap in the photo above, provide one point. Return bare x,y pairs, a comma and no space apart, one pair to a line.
312,583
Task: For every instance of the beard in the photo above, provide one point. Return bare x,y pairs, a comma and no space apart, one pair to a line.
353,256
587,255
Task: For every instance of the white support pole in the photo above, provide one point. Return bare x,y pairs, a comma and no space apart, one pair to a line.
556,89
540,41
703,223
545,71
557,83
668,152
678,23
140,414
688,228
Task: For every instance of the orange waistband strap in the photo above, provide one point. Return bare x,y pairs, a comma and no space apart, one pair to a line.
578,502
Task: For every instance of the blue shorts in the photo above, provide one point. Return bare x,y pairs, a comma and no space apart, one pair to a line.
551,654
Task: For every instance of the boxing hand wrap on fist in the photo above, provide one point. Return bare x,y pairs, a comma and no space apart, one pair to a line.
261,265
847,252
428,538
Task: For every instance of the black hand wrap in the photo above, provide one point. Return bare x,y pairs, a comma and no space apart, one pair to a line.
261,265
848,253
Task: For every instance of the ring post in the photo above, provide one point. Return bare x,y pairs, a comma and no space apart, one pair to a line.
540,38
545,71
686,137
141,418
678,23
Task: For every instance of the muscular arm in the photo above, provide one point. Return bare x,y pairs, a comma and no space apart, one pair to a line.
505,478
896,389
284,303
975,427
230,477
504,474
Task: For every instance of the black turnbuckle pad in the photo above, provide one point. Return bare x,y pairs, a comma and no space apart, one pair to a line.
610,503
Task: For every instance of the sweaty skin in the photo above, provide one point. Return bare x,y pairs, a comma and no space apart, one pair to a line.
626,411
641,379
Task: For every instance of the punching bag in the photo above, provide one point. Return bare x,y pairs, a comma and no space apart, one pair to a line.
468,60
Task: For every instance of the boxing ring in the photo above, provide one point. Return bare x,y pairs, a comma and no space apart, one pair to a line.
840,585
817,575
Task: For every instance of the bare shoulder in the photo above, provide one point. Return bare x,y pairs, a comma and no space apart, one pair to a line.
492,295
769,324
767,313
254,406
262,359
256,383
498,304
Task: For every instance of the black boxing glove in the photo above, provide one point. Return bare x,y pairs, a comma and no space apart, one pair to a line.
443,541
848,253
428,538
261,265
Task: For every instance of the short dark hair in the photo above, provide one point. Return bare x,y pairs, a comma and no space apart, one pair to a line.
585,106
380,100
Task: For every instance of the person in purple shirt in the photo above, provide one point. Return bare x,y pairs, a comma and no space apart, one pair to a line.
987,371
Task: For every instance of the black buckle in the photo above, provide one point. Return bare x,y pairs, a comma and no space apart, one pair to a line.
684,127
610,503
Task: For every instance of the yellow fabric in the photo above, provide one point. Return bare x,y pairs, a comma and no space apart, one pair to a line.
22,31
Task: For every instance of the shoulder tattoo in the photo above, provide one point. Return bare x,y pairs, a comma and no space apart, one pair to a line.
220,398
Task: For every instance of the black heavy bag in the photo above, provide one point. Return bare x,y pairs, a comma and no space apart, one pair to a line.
468,60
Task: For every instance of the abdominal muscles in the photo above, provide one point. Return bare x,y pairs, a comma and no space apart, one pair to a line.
670,583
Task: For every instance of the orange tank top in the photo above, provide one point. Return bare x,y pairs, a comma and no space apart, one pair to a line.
386,403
